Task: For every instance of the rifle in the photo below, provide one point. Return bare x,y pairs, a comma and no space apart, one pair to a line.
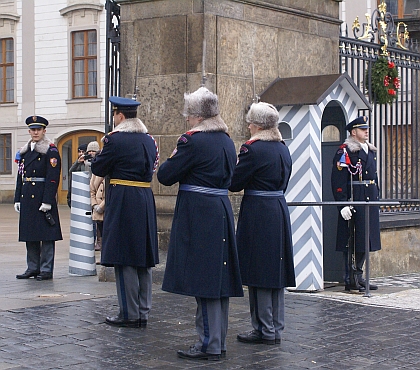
255,97
136,88
203,65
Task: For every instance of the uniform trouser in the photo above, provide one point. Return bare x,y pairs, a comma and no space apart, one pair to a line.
40,256
359,262
267,311
134,291
211,322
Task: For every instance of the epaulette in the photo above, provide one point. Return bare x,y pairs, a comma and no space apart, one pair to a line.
249,142
53,148
191,133
342,146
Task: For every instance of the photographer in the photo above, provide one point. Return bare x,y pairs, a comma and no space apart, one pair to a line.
78,165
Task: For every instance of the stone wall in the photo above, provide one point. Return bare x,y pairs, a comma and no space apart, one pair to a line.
281,37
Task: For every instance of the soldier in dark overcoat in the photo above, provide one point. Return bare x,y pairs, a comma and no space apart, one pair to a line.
202,258
35,199
263,233
356,160
129,242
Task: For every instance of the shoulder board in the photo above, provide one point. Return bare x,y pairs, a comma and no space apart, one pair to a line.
53,148
191,133
342,146
53,145
249,142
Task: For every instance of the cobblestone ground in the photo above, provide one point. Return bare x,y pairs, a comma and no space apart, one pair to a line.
320,334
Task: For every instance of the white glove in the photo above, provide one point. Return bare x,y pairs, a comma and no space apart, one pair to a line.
17,207
45,207
98,209
346,212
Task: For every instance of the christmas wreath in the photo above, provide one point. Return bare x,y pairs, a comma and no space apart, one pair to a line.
385,82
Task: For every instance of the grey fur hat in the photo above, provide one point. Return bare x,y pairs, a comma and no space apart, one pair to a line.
201,103
263,114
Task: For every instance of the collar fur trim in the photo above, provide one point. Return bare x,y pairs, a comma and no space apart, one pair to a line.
272,134
131,125
212,124
41,146
354,146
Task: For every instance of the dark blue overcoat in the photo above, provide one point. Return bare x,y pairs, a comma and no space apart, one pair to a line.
264,234
202,257
340,182
43,162
130,229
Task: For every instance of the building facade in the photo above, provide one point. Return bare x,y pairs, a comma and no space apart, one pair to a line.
52,64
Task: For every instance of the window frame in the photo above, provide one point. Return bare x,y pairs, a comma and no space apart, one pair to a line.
5,159
3,66
85,58
400,7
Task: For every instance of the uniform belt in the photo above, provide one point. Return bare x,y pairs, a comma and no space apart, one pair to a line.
139,184
203,189
34,179
264,193
364,182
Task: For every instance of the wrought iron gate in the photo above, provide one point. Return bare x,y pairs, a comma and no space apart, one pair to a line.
395,127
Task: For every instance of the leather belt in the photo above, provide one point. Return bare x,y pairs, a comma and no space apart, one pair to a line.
34,179
139,184
203,189
364,182
264,193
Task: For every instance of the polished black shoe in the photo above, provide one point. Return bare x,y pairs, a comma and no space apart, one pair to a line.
360,289
118,321
27,275
277,341
194,354
362,282
254,337
143,323
223,354
44,276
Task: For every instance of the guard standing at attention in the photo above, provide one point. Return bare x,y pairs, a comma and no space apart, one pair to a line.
354,176
35,200
129,242
202,258
264,233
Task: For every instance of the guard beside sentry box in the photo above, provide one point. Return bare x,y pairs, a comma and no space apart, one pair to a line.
354,178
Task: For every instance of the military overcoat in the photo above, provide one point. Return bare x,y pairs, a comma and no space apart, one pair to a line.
202,256
264,234
37,182
363,168
130,229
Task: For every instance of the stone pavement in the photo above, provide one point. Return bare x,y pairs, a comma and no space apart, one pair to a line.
59,324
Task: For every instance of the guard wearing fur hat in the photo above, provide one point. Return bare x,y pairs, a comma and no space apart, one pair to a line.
129,241
263,233
202,258
35,200
354,175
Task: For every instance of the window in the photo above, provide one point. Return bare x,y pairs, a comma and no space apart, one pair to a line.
401,8
84,60
5,154
7,73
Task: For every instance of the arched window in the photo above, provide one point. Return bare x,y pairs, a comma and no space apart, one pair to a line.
285,130
330,133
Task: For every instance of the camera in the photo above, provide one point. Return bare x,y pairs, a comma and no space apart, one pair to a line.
87,156
49,218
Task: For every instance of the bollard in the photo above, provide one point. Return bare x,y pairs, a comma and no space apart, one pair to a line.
82,249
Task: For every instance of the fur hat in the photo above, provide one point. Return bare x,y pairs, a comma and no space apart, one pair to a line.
201,103
93,146
263,114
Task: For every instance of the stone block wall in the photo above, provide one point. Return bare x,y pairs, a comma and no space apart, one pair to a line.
280,37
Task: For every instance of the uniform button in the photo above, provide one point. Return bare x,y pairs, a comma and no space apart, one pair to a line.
366,172
33,183
367,185
224,263
367,198
34,171
224,240
39,159
374,158
33,196
22,195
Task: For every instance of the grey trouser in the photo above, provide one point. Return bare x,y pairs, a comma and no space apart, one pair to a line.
134,291
267,311
40,256
211,322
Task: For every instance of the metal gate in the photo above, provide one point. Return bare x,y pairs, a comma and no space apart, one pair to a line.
395,127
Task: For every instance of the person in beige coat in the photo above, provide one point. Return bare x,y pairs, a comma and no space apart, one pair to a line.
97,199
